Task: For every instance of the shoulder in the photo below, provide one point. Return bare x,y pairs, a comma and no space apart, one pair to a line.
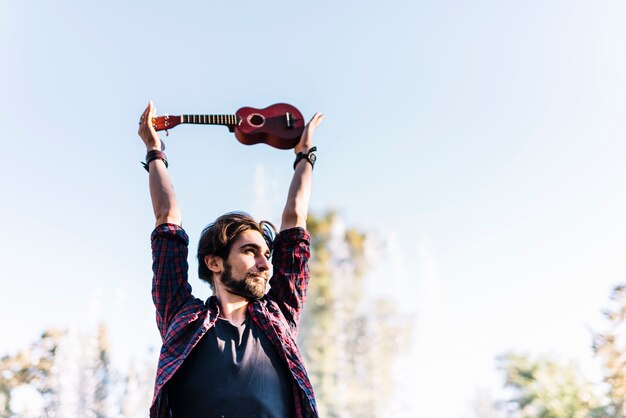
267,306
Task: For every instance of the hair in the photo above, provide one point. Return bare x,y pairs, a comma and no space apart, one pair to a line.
217,238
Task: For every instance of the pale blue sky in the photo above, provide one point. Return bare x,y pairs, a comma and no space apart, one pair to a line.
491,132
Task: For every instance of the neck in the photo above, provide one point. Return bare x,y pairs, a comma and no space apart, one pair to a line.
232,307
228,120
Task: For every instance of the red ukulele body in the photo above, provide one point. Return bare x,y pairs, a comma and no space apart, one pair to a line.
279,125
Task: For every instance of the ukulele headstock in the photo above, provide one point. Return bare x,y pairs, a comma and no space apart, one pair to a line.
165,122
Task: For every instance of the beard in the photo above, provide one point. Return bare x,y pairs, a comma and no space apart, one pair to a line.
249,287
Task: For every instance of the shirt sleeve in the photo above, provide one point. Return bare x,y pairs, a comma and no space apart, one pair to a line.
290,280
170,288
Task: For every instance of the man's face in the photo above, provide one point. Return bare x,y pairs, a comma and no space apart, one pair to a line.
246,271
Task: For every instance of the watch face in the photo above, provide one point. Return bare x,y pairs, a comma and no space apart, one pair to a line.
312,158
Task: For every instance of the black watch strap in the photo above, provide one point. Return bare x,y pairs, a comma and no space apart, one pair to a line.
309,156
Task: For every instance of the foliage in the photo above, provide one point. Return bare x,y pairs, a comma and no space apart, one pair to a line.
349,340
30,366
545,388
610,347
68,374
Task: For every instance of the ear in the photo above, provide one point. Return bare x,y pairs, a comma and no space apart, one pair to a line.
214,263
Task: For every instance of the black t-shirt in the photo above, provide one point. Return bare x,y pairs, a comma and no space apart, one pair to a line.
233,371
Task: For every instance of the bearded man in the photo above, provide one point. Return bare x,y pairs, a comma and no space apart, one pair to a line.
234,355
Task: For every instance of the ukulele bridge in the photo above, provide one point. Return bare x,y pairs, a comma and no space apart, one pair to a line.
289,120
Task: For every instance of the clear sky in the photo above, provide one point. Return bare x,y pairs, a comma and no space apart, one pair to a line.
487,138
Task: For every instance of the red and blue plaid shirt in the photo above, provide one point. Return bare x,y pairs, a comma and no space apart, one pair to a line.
183,319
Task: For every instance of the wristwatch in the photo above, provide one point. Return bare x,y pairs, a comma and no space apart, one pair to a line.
309,156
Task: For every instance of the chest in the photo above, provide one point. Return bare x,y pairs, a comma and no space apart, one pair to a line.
230,368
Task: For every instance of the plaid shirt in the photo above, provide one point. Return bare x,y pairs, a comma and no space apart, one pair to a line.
183,319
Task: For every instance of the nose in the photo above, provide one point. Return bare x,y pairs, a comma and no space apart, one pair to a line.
262,264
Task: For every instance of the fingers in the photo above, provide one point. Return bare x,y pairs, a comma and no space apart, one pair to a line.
316,119
314,122
152,110
142,119
144,115
146,127
306,141
146,112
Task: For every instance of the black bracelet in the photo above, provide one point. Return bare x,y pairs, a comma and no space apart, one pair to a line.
309,156
154,155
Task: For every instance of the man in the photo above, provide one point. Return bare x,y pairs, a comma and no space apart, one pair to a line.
234,355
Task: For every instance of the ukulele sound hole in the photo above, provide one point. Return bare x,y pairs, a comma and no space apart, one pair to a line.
256,120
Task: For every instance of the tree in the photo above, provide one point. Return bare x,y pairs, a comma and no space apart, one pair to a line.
610,347
544,388
349,339
31,366
66,374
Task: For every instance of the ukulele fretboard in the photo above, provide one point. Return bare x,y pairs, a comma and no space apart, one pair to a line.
210,119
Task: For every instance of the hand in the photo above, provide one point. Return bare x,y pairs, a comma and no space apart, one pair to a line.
306,141
146,129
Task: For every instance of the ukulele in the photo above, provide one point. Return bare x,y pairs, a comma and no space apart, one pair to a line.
279,125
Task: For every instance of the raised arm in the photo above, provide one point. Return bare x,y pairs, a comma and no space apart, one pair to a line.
170,288
162,193
297,206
